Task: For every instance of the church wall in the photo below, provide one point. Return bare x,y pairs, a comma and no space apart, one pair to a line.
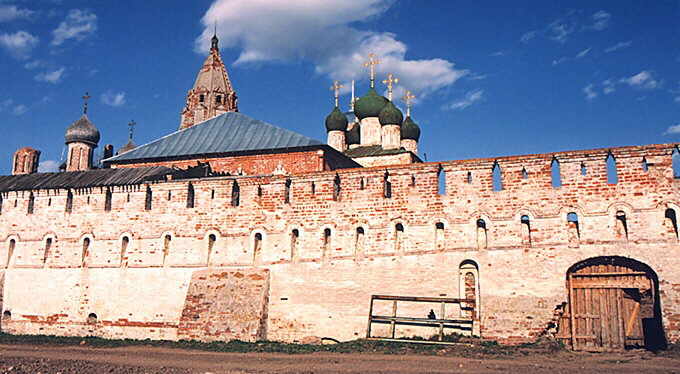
295,162
322,287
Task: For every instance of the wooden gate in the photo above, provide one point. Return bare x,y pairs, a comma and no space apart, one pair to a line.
609,297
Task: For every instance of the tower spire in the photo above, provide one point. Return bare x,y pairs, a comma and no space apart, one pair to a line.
215,41
408,99
131,129
336,91
390,82
85,99
370,64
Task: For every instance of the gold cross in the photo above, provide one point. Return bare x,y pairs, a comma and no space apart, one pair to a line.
390,82
336,91
372,61
408,99
85,99
132,125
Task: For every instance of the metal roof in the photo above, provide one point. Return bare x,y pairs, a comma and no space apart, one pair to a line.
230,132
85,179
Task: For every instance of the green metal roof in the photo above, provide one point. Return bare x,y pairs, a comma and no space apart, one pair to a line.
230,132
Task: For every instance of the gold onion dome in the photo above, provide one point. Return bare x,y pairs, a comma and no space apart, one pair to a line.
336,120
390,115
410,130
370,105
83,131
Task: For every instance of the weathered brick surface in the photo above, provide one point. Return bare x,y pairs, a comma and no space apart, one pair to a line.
226,305
324,290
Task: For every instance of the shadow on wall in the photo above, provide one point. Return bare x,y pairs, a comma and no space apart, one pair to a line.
223,305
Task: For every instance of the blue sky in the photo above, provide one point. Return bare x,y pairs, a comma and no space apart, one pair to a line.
492,78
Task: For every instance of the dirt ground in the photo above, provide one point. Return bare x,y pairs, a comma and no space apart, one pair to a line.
141,359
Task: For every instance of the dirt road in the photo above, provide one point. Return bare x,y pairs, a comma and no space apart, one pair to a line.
51,360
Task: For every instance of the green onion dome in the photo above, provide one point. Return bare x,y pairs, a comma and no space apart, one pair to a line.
336,121
410,130
353,136
369,105
390,115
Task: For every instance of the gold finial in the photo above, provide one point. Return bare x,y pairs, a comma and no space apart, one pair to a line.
85,99
372,61
131,126
408,99
390,82
336,91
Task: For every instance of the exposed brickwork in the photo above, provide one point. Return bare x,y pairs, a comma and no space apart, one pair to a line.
324,290
275,163
226,305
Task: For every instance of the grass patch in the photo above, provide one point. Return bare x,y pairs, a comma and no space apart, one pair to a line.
478,349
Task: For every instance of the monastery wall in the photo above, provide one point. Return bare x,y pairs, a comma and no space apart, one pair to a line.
293,263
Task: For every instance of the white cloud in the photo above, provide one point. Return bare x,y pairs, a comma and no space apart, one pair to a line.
527,36
19,110
48,166
498,54
600,20
583,53
643,79
321,32
589,91
470,98
33,64
672,130
608,86
560,30
78,25
19,45
113,99
677,99
53,77
11,12
619,45
6,104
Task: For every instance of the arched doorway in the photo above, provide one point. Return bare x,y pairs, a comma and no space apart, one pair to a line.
613,305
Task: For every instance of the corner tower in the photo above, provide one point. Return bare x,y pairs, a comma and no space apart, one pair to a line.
81,138
212,93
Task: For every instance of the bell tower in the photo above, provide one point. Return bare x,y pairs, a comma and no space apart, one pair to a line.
212,93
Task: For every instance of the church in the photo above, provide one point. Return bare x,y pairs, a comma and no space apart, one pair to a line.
234,228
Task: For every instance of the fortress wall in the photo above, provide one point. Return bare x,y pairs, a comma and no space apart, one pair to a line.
321,286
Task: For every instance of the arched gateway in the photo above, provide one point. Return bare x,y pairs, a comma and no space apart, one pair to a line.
613,305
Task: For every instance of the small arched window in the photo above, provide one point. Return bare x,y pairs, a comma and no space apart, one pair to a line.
326,242
257,246
286,196
574,230
525,173
218,99
148,199
645,166
167,241
201,98
294,239
438,234
398,237
190,195
469,288
359,241
675,163
336,187
387,186
584,170
482,239
212,239
468,179
92,319
10,252
441,181
48,249
107,200
31,203
621,225
236,194
86,252
526,230
7,315
169,197
362,183
124,244
671,221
